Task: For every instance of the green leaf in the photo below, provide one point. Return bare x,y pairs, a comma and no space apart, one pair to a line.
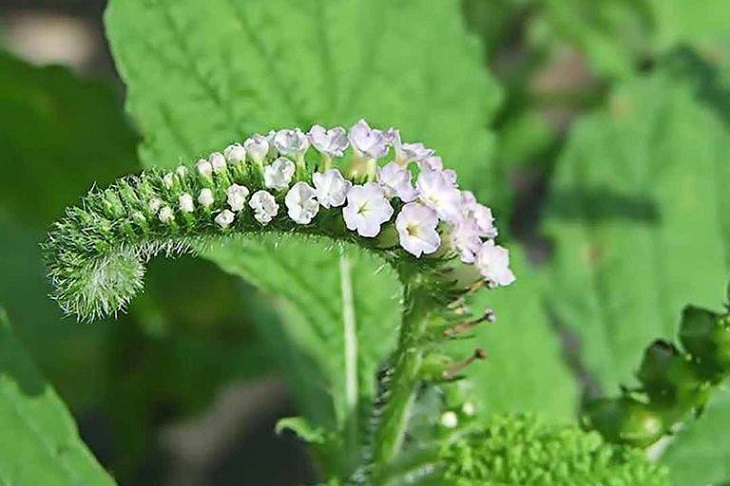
201,75
39,443
60,134
638,214
700,454
678,22
617,35
524,370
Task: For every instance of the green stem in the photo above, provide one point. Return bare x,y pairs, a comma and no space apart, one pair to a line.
405,376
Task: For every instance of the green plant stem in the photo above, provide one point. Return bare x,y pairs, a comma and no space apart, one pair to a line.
406,374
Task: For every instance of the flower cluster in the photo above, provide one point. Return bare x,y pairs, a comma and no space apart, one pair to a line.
407,188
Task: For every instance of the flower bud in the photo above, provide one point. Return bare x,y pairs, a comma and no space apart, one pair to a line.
623,421
670,378
706,336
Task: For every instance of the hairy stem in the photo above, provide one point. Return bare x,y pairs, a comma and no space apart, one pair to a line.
406,374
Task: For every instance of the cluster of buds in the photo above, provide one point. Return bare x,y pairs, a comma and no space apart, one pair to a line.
674,382
381,186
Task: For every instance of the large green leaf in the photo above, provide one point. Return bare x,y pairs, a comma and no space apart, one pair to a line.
638,214
203,74
523,371
60,135
39,443
617,35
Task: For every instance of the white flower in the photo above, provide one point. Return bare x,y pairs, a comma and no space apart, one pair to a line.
432,163
236,196
186,203
493,263
291,142
204,168
331,188
407,152
438,192
468,409
257,147
264,206
166,215
235,153
465,240
449,419
367,142
217,161
367,209
154,204
332,142
181,171
167,180
279,173
301,202
435,163
205,198
416,225
396,181
481,215
225,218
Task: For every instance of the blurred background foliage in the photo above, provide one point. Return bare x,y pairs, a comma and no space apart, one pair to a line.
597,130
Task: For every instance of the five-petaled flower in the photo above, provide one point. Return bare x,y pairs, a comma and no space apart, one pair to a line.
264,206
291,142
332,142
301,203
367,209
279,173
367,142
396,181
407,152
235,153
493,263
237,195
438,192
257,147
224,218
331,188
416,225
